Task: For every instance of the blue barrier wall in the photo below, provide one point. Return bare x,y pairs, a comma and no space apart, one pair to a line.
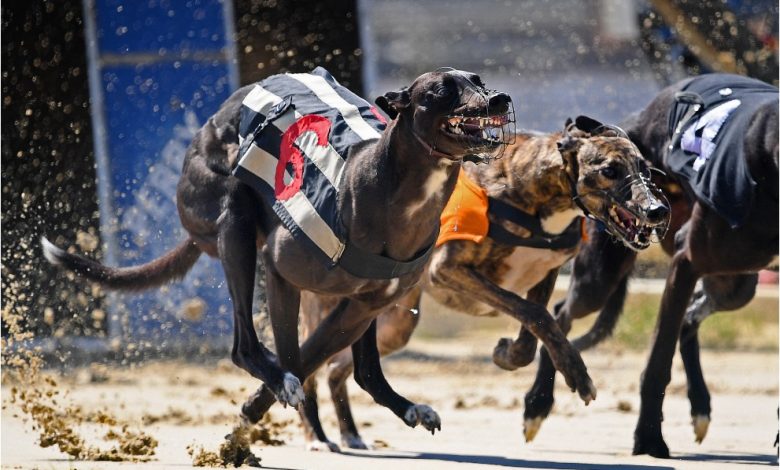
158,69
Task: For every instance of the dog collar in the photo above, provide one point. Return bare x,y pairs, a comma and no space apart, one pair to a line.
432,150
575,195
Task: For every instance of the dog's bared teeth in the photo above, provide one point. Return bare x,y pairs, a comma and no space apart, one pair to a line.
615,217
454,121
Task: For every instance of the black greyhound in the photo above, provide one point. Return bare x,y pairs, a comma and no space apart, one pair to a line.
391,192
703,245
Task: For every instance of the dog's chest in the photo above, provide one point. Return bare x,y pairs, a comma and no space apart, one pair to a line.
433,184
526,267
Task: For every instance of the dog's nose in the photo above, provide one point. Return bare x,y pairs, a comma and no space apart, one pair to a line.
657,212
499,99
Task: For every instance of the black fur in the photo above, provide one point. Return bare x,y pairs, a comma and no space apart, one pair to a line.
227,219
703,246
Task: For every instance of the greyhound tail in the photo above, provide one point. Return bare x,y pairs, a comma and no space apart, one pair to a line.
607,319
171,266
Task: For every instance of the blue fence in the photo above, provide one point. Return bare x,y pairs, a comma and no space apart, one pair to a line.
157,69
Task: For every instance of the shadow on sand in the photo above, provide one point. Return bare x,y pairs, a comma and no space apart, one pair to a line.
509,462
730,457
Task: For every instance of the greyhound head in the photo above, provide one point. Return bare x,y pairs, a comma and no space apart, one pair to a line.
453,114
610,182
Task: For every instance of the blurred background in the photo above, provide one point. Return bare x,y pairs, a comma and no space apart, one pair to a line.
101,98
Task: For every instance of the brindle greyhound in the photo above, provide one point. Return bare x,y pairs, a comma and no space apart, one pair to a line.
554,177
702,245
390,198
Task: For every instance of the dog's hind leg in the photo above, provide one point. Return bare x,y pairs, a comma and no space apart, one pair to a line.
237,249
368,374
510,355
719,293
342,327
339,369
394,328
316,439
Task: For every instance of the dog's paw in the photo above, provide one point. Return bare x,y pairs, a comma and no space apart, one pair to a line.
701,423
531,427
587,391
320,446
291,392
353,441
510,355
423,414
576,374
650,443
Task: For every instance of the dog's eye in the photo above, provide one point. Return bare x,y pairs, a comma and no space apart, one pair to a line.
609,172
437,94
430,98
444,91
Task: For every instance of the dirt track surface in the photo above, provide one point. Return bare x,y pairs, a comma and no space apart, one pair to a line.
480,406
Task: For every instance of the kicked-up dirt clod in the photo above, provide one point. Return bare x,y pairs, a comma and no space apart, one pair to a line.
233,451
42,400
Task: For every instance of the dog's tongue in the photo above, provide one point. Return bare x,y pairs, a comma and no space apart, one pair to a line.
471,124
626,217
471,127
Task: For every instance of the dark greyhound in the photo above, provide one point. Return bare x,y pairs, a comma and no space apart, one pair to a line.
391,193
535,198
703,246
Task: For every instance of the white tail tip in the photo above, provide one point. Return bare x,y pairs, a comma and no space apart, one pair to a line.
52,252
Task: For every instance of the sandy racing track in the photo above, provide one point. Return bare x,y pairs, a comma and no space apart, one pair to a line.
481,408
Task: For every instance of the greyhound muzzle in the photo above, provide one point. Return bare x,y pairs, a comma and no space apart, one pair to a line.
636,213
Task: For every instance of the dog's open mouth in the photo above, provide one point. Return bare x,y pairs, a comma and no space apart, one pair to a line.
633,231
479,130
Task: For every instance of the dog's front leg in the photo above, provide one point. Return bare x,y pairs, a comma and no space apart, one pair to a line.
283,300
342,327
510,355
368,374
238,253
599,281
680,284
533,316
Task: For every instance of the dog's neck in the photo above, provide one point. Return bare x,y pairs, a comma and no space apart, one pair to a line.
395,192
531,176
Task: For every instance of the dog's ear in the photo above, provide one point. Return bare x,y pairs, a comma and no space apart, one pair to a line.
393,102
568,146
567,143
571,129
589,125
